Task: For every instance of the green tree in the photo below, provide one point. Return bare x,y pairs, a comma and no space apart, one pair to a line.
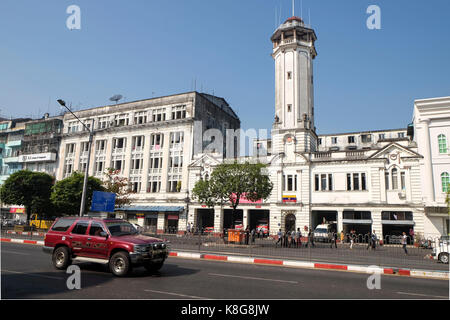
119,185
29,189
231,182
66,194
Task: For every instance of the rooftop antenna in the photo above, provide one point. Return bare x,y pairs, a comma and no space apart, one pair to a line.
301,8
309,17
116,97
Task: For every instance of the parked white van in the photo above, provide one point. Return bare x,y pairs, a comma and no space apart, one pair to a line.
440,249
323,232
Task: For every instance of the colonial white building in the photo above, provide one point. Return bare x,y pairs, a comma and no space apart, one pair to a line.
364,181
432,131
151,142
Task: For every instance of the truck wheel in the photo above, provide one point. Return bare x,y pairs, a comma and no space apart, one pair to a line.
153,267
61,258
119,264
443,257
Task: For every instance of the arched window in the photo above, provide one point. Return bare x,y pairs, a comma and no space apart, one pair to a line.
442,141
445,179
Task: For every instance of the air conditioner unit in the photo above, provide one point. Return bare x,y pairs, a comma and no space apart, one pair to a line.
402,195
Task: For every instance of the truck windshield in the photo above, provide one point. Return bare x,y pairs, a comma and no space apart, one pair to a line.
321,230
121,228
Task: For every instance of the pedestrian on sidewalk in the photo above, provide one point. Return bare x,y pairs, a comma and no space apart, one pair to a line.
299,238
342,238
369,240
374,240
247,234
253,235
352,238
404,241
280,239
310,239
333,240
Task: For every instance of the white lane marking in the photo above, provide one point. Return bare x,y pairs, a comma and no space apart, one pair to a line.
176,294
251,278
421,295
15,252
32,275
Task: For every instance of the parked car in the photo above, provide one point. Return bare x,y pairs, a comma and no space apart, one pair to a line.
109,241
440,249
323,232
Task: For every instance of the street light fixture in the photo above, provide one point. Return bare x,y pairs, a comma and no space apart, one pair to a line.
91,134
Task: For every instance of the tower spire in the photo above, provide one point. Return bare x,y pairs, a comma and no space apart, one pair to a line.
293,8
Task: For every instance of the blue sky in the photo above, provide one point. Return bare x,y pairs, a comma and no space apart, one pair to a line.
364,79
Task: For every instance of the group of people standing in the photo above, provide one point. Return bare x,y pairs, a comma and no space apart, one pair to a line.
293,239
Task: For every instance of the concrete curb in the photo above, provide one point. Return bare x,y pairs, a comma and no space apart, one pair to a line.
289,263
314,265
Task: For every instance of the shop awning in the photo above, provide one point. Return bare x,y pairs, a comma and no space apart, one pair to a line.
399,222
151,208
356,221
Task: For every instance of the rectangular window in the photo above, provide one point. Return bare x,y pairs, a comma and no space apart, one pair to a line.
156,141
355,181
349,182
140,117
137,143
100,146
334,140
365,138
381,136
386,179
401,135
403,180
154,184
121,120
323,182
316,182
159,115
351,139
176,139
363,181
179,112
330,182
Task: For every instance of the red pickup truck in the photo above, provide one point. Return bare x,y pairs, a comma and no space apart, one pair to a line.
109,241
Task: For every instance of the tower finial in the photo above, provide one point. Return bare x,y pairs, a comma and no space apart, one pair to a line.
293,8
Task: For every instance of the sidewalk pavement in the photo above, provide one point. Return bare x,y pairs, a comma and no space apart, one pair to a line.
442,275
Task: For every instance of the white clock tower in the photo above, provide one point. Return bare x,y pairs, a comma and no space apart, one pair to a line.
294,52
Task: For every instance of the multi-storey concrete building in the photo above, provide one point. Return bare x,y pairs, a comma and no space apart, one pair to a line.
363,181
11,136
151,142
431,131
41,142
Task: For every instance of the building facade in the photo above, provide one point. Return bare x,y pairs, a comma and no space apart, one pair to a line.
362,181
40,146
431,131
151,142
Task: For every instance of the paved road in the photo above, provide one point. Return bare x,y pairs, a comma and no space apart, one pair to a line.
386,256
27,273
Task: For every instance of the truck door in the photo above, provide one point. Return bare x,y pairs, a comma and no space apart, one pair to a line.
78,237
97,245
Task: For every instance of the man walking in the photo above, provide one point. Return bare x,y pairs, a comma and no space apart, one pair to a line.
334,239
404,241
299,238
280,239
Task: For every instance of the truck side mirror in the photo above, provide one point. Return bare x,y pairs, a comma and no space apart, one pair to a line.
103,234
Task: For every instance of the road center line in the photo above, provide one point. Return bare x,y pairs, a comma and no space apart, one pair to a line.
176,294
421,295
15,252
251,278
32,275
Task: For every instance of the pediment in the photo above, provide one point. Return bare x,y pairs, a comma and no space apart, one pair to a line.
205,160
393,151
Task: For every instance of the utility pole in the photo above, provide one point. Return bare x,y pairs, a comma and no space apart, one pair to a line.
86,172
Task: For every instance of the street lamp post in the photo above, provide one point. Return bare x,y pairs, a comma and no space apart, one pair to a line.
91,135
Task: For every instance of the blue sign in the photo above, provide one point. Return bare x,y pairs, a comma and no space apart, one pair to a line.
103,201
